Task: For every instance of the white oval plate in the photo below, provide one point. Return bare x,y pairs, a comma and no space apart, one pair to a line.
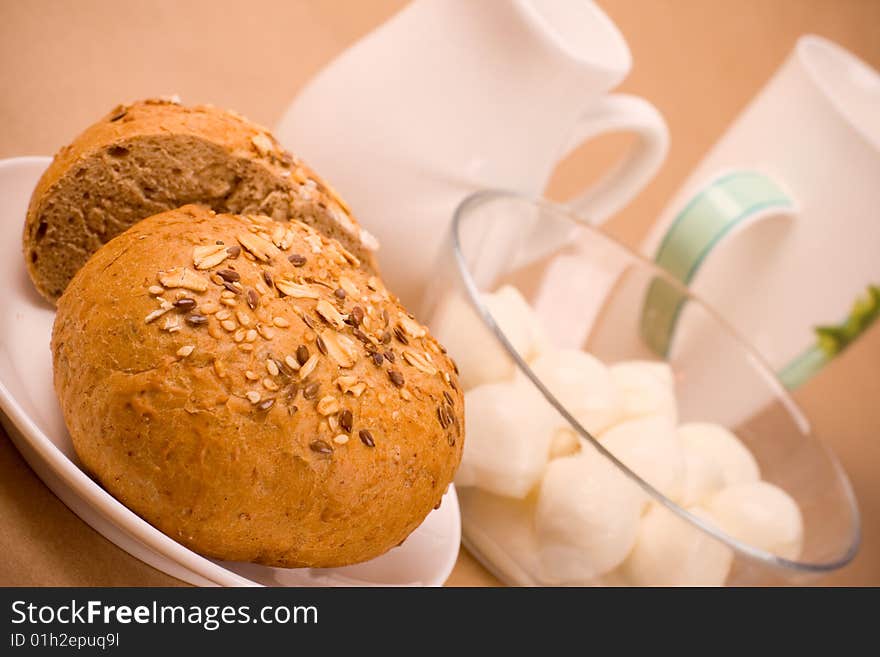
34,422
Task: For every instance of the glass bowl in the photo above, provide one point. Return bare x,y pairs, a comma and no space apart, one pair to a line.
528,523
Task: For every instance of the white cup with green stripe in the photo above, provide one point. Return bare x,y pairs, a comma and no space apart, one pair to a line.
718,215
721,244
778,228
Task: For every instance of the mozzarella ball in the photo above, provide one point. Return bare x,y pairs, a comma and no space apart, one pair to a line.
720,446
509,429
761,515
671,552
480,356
565,442
515,316
645,388
702,478
648,446
586,519
582,384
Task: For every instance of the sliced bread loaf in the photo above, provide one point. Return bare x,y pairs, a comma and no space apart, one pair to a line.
156,155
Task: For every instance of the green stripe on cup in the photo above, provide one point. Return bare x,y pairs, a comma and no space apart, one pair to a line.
727,202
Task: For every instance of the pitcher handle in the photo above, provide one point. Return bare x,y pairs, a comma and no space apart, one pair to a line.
617,113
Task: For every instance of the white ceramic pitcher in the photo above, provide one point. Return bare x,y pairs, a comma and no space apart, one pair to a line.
451,96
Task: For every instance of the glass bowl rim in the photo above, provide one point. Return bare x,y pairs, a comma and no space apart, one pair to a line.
752,553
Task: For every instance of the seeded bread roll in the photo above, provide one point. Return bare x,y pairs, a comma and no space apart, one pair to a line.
246,388
155,155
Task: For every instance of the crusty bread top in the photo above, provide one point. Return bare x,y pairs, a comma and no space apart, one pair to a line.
247,388
238,137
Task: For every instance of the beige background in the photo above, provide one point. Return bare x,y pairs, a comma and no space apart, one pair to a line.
64,63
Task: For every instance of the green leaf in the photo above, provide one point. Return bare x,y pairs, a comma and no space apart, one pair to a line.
834,339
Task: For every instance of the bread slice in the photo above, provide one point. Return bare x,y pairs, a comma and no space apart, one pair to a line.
156,155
